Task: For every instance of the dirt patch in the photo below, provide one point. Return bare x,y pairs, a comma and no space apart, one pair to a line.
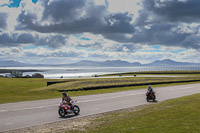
56,127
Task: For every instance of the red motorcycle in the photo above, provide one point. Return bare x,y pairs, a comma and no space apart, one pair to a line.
150,96
66,108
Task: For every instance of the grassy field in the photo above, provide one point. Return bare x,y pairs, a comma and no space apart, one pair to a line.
24,89
156,72
181,73
84,83
17,89
179,115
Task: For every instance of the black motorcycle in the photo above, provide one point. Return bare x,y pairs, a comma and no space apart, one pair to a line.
150,96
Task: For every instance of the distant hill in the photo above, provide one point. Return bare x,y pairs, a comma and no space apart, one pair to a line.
85,63
118,63
11,63
168,62
107,63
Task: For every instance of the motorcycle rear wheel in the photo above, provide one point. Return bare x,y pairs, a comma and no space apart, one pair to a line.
62,112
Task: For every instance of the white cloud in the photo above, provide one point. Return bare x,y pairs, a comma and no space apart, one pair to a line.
4,2
9,53
169,49
131,6
100,2
192,28
190,55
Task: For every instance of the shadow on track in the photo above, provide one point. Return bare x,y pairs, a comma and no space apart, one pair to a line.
153,101
68,116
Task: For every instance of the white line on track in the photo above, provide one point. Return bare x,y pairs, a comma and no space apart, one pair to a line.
7,124
3,110
39,107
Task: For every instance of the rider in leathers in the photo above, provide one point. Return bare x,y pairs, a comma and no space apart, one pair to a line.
150,89
66,99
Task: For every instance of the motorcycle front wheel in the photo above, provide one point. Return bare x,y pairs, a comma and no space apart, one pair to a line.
62,112
154,98
76,110
147,98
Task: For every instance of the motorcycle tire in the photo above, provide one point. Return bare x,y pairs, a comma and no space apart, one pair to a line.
76,110
62,112
147,98
154,98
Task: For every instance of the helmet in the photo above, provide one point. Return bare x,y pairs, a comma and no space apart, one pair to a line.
149,86
64,93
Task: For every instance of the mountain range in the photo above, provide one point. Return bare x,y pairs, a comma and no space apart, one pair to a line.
11,63
107,63
116,63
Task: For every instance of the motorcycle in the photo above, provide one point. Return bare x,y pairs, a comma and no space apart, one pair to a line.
65,108
150,96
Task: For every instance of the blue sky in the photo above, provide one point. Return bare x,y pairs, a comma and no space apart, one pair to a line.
58,31
15,3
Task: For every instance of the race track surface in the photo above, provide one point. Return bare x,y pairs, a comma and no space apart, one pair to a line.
26,114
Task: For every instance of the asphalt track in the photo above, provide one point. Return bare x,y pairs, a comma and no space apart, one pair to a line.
26,114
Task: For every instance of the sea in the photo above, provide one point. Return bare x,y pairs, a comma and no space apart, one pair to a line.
79,72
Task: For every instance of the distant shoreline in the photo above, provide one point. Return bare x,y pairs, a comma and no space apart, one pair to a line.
10,70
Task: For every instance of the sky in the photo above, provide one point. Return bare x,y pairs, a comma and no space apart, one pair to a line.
67,31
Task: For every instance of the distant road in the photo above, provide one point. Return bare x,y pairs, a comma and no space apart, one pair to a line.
25,114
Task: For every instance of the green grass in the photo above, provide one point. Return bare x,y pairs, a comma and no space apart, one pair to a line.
16,89
181,73
24,89
179,115
83,83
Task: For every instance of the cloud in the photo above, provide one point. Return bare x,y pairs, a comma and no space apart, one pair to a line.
4,2
165,22
9,53
153,25
174,10
44,52
3,23
14,39
75,16
53,41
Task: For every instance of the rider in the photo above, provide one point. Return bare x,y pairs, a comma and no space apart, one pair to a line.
66,99
150,89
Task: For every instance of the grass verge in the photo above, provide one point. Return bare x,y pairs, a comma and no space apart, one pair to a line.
176,115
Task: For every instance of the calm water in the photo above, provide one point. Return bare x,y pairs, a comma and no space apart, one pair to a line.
69,72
